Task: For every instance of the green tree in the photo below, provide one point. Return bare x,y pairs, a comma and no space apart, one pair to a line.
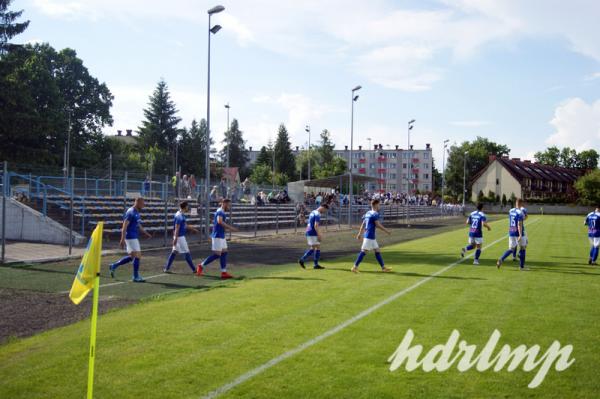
238,154
588,159
44,94
192,149
265,156
588,188
477,153
504,199
261,174
436,178
568,158
8,27
325,148
551,156
285,162
336,167
302,163
160,127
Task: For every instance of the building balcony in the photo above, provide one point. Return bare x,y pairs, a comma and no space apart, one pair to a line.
381,170
362,160
362,170
416,160
381,159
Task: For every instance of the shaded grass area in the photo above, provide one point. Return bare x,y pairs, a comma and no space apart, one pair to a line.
33,297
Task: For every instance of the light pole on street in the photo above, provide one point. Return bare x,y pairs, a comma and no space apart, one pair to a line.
464,179
307,129
354,98
228,133
409,162
211,30
444,171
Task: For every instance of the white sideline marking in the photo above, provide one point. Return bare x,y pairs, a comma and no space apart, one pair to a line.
254,372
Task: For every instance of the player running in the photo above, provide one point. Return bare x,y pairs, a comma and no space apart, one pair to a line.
516,235
219,244
130,239
476,221
369,224
180,228
314,237
592,221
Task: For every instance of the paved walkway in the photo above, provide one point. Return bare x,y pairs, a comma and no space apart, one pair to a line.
31,252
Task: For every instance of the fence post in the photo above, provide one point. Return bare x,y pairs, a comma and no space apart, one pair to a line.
85,181
277,219
166,215
4,186
125,190
71,212
231,219
255,218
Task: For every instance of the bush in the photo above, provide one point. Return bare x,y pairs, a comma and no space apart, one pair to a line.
588,188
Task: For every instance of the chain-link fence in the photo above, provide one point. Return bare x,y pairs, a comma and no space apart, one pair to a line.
64,210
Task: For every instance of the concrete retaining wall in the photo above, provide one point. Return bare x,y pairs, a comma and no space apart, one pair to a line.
26,224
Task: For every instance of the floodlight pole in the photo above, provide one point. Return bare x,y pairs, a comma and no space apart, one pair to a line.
351,188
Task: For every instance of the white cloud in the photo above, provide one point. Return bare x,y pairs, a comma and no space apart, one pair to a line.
393,46
471,123
576,124
592,76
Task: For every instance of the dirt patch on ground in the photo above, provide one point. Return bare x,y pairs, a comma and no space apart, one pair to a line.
24,313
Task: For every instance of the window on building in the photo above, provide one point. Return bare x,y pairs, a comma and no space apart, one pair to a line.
354,166
426,187
371,166
392,175
426,155
426,166
426,176
497,181
403,166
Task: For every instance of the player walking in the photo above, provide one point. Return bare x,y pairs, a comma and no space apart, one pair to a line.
476,221
130,239
516,235
369,225
592,221
180,228
525,216
219,244
314,237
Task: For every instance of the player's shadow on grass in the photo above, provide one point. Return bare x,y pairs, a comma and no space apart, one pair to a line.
411,274
582,269
284,278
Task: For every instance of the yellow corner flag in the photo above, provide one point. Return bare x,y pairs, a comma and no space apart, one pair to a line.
89,267
88,278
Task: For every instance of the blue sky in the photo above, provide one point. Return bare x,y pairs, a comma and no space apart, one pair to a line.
521,72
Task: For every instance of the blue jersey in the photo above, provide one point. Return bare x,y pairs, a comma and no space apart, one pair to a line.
218,230
133,217
515,216
476,220
179,219
369,220
314,217
592,221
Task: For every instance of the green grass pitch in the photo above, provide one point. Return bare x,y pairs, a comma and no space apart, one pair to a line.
187,345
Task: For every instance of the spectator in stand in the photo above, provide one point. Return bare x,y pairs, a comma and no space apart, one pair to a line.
319,199
247,188
146,187
223,188
214,196
193,185
185,186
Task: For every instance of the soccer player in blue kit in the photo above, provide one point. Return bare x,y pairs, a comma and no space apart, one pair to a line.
180,228
516,235
219,244
525,216
592,221
369,225
476,221
130,239
314,237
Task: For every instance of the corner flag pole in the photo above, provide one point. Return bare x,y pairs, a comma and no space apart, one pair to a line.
90,389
